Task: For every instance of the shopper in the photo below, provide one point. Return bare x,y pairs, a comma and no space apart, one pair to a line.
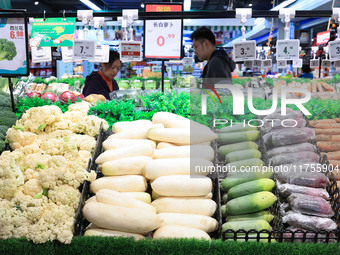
306,72
102,81
219,66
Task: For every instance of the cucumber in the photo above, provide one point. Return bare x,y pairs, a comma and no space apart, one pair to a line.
261,215
246,162
225,149
246,225
236,128
237,178
250,188
242,155
237,137
251,203
225,198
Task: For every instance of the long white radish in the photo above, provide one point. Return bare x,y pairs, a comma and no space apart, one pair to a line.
163,145
109,232
176,231
186,151
125,166
133,220
170,120
182,185
205,223
154,195
125,125
201,206
126,183
141,196
128,151
113,197
110,144
135,133
177,166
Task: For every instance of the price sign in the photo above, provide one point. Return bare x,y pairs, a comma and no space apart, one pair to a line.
248,63
314,63
297,63
244,50
334,50
41,54
337,63
267,63
83,50
67,54
325,63
130,51
101,53
257,63
187,61
163,39
282,63
287,49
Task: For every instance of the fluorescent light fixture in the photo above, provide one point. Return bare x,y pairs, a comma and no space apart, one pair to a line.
91,5
142,5
36,3
283,5
187,5
250,5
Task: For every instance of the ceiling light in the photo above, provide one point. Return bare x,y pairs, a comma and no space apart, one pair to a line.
36,3
250,5
142,5
283,5
91,5
187,5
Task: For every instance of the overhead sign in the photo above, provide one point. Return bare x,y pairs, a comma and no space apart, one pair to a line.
323,37
52,32
130,51
13,35
163,38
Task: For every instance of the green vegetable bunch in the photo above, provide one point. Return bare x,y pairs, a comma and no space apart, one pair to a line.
7,50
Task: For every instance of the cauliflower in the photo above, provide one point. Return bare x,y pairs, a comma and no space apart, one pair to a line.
82,107
90,125
84,142
18,138
37,118
53,146
32,187
65,195
55,134
35,161
10,176
31,149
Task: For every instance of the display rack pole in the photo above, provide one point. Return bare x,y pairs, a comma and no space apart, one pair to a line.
320,62
163,71
10,84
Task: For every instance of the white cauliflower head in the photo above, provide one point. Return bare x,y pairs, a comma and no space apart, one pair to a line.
90,125
65,195
18,138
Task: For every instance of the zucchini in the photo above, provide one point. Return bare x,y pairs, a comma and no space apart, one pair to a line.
244,163
225,149
237,137
250,188
242,155
261,215
251,203
246,225
236,128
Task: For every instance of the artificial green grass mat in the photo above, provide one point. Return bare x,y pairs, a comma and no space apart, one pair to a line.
107,245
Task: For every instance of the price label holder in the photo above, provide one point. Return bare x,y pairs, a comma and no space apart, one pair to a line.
257,63
337,63
282,63
244,50
267,63
248,63
287,49
334,50
297,63
326,63
83,50
101,53
130,51
41,54
314,63
67,54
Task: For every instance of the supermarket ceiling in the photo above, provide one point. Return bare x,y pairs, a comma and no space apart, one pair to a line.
74,5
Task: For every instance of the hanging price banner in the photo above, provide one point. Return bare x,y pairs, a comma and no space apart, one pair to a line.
287,49
314,63
337,63
244,50
257,63
67,54
130,51
334,50
101,53
267,63
41,54
83,50
281,63
248,63
297,63
325,63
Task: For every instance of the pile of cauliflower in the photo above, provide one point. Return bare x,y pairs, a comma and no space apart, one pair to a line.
40,178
